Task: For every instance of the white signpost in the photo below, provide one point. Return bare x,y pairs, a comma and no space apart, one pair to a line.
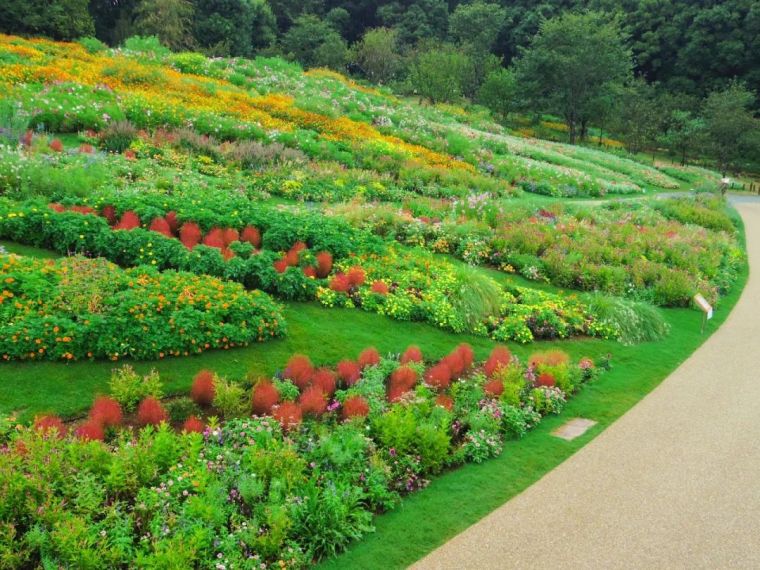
705,307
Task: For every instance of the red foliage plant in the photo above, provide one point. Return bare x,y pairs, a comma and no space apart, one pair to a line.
26,138
190,234
340,283
411,354
281,265
356,276
109,213
349,372
151,412
298,247
85,148
288,414
313,401
500,356
230,235
546,379
56,145
193,425
438,376
214,238
291,258
265,396
355,407
325,380
227,253
380,288
161,226
56,207
324,264
129,221
309,271
467,354
171,219
299,370
494,387
455,363
82,209
369,357
252,235
548,358
444,401
203,389
91,430
48,423
402,381
106,411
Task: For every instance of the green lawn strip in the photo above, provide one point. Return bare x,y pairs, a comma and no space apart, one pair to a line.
459,498
27,250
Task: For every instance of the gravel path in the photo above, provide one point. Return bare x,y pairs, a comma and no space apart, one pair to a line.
674,483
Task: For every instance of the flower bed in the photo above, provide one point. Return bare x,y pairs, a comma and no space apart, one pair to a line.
280,489
77,308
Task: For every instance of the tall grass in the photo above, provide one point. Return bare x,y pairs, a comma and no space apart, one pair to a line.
476,296
633,322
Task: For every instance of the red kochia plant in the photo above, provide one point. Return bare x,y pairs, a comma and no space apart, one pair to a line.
549,358
349,372
151,412
546,379
466,353
356,276
82,209
324,264
288,414
190,234
214,238
325,380
252,235
56,207
161,226
129,221
26,138
313,401
494,387
299,369
85,148
380,288
230,235
369,357
500,356
455,363
291,258
309,271
56,145
402,381
411,354
281,265
171,219
444,401
106,411
203,389
340,283
91,430
49,423
355,407
109,213
265,396
438,376
193,425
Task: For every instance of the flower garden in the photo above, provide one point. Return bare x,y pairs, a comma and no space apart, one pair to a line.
196,253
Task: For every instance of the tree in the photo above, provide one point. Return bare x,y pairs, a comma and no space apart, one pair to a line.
684,134
416,20
730,125
438,72
640,117
169,20
314,42
377,54
574,64
498,92
223,27
477,24
58,19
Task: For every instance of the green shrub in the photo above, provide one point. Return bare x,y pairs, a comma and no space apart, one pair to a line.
129,388
632,322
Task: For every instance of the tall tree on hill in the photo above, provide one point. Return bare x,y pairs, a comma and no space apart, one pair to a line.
575,63
169,20
58,19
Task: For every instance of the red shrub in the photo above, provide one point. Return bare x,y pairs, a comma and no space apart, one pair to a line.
467,354
548,358
251,235
85,148
129,221
190,234
298,247
313,401
299,369
227,253
411,354
349,372
82,209
265,395
500,356
230,235
438,376
56,207
444,401
380,288
355,407
288,414
324,264
151,412
369,357
129,154
309,271
494,387
91,430
545,379
171,219
109,213
291,258
193,425
161,226
281,265
56,145
340,283
46,424
402,381
203,390
356,276
455,363
325,380
106,411
26,138
214,238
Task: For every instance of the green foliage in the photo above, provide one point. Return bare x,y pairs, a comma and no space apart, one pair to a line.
378,56
315,43
499,92
230,399
439,72
129,388
730,125
60,19
632,322
147,45
169,20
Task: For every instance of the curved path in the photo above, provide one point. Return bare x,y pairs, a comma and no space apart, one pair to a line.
674,483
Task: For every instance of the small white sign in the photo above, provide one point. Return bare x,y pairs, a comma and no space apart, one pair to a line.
702,303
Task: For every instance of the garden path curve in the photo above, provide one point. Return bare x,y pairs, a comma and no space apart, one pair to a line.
674,483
